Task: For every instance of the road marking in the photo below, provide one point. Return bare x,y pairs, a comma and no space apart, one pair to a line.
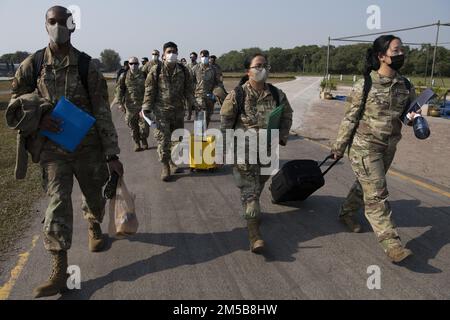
6,289
305,89
399,175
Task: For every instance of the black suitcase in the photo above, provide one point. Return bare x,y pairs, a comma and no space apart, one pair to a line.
298,179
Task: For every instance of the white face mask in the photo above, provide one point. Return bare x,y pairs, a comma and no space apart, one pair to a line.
259,75
171,58
204,60
134,68
58,34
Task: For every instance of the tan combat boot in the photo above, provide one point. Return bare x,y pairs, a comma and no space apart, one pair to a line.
165,173
351,223
256,242
145,144
137,147
173,168
57,283
96,239
395,250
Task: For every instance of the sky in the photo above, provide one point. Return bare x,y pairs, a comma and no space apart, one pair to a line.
136,27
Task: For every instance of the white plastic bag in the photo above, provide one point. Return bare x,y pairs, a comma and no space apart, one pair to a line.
200,125
122,215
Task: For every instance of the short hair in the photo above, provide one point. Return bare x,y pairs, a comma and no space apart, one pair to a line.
204,53
170,44
59,8
194,54
144,59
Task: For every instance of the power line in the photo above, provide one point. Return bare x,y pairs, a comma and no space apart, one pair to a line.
408,43
390,31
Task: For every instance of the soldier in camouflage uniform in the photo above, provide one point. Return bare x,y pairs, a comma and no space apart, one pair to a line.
193,62
206,78
191,65
259,102
59,76
153,62
130,94
165,96
372,133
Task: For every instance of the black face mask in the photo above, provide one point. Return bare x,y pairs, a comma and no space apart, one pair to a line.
397,62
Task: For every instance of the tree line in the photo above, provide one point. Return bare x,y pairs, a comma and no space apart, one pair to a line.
347,59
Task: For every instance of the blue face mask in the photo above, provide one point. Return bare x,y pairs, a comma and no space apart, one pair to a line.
205,60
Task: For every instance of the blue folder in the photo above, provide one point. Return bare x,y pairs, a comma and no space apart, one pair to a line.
75,126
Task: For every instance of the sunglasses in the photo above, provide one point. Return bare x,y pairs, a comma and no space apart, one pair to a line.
133,63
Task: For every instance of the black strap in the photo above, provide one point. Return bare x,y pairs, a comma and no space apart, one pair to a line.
84,61
275,94
331,156
362,106
38,61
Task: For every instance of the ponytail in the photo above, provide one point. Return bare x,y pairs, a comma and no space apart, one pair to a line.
380,46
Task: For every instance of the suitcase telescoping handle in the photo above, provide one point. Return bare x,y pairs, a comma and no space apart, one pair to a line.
331,156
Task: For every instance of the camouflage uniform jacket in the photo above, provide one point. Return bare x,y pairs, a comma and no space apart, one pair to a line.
380,125
61,78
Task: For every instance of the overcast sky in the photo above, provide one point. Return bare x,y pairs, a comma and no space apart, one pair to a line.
135,27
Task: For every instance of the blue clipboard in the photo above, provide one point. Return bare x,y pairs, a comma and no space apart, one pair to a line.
75,126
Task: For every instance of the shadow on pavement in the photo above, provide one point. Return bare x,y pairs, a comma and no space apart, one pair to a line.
284,234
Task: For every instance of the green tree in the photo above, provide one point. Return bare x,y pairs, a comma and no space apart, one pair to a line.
110,60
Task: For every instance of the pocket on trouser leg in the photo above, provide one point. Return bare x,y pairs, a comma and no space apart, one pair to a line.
377,208
57,233
252,210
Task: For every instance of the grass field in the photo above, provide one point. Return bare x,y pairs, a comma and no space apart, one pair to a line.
17,197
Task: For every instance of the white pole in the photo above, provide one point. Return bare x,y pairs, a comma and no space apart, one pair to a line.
435,52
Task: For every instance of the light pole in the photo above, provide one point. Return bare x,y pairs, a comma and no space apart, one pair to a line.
428,48
304,63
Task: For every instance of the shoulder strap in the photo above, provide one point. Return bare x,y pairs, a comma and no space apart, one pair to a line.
408,86
239,93
366,90
158,74
275,94
83,67
38,61
362,106
84,61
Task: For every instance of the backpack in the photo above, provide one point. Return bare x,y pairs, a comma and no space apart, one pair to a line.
159,69
83,67
240,100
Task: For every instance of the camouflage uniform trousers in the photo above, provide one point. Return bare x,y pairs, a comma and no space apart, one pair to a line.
139,128
370,190
249,180
168,121
91,171
207,105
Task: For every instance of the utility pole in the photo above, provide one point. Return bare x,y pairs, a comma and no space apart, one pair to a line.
433,68
428,48
304,63
328,58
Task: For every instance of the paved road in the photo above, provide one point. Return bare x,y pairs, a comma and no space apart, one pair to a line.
192,243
